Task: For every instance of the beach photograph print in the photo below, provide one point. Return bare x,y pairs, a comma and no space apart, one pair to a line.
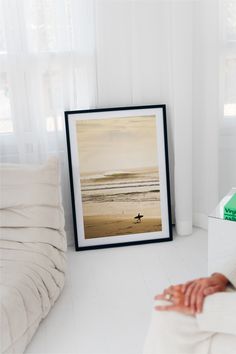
119,176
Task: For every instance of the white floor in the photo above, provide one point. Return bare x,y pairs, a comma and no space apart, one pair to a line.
107,301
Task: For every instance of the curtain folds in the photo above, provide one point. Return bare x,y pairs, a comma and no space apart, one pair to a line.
199,153
170,54
47,66
57,55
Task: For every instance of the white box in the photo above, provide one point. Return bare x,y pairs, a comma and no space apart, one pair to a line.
221,237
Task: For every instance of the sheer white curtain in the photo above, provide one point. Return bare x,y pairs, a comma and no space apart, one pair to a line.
228,60
206,111
57,55
47,66
228,97
169,54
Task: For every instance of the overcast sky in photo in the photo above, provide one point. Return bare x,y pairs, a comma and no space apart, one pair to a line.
117,144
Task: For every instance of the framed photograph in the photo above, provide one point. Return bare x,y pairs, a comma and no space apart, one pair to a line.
118,163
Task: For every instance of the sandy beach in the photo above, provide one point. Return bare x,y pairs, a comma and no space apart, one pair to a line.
103,226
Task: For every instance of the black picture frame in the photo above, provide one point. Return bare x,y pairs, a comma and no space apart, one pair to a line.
103,198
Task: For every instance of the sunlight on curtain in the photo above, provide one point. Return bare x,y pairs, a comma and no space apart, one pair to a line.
46,67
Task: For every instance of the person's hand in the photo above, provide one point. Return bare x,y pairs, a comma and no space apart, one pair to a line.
176,298
189,297
196,290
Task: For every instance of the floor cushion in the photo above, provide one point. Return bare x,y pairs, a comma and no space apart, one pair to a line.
32,249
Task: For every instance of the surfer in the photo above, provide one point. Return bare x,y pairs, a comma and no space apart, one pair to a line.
138,217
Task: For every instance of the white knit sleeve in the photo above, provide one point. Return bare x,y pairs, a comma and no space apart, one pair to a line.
219,313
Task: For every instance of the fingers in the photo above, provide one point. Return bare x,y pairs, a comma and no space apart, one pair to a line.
169,290
176,308
167,308
163,296
192,297
177,287
185,286
160,297
199,300
196,295
172,289
189,293
176,302
205,292
177,298
180,287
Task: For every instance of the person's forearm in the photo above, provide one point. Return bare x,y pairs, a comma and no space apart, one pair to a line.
225,266
222,278
228,271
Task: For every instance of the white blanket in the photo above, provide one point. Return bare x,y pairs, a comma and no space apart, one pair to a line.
32,246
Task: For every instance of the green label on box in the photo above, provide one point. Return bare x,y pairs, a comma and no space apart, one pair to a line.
229,217
230,207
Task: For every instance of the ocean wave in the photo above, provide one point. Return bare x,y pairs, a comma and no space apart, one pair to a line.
120,185
141,196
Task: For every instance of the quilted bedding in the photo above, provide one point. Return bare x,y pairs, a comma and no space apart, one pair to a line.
32,250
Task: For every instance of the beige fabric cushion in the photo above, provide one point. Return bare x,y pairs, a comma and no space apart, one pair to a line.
32,250
30,196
